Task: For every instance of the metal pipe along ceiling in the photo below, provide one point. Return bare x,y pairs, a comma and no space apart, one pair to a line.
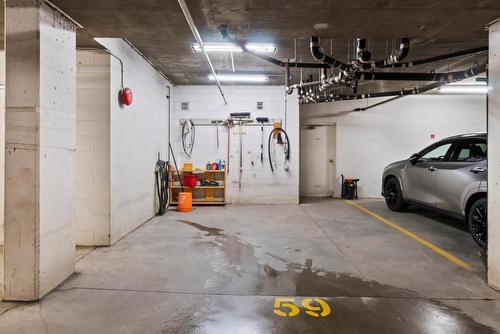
440,57
197,36
432,76
441,78
320,55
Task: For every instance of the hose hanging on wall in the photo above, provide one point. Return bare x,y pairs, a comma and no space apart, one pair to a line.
277,134
161,180
188,137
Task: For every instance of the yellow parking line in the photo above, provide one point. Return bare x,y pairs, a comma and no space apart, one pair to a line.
415,237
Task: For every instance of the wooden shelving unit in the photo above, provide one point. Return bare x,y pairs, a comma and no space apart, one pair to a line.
202,195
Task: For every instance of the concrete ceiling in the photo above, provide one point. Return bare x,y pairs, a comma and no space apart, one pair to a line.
159,30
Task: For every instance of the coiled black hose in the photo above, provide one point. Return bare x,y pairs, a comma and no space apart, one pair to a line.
161,179
281,142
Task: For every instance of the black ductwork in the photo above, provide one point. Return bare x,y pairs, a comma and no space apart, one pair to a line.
318,54
440,57
362,55
443,77
397,55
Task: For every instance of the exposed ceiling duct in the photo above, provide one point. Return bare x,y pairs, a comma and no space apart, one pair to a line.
440,57
311,94
350,73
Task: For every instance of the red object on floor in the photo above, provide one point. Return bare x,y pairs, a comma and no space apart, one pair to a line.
190,180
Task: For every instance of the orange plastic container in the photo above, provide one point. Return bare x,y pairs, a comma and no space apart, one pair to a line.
185,202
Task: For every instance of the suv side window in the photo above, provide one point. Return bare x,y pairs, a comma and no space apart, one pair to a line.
471,150
436,153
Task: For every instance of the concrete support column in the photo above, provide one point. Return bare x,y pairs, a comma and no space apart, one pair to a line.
494,157
40,149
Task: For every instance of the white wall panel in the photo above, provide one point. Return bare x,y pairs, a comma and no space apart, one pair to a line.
137,134
259,184
370,140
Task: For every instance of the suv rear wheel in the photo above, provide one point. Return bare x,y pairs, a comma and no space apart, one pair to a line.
393,195
478,222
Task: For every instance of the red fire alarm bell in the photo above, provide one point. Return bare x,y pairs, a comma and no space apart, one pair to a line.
127,96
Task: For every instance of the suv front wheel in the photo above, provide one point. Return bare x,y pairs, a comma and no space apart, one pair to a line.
478,222
393,195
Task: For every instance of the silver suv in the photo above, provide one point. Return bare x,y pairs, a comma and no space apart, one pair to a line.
449,176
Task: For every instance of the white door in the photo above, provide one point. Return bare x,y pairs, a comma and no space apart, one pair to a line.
317,161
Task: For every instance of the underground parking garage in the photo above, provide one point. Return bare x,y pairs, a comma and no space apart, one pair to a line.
249,167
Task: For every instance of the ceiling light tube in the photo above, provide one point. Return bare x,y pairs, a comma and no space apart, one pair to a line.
229,47
464,89
217,47
261,47
240,77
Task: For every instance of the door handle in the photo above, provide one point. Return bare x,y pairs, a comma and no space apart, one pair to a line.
477,170
432,169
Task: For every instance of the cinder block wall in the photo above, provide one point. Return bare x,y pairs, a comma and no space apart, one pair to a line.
93,151
137,134
117,146
259,184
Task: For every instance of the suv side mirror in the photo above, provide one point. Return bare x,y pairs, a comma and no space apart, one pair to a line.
414,158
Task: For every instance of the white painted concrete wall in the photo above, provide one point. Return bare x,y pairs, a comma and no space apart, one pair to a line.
40,149
494,158
93,151
259,184
368,141
137,134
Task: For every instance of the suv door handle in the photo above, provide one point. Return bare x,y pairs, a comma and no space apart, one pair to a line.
476,170
432,169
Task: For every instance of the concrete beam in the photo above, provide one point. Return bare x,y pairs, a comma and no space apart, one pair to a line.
494,157
40,149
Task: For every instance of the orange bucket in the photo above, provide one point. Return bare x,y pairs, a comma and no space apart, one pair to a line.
185,202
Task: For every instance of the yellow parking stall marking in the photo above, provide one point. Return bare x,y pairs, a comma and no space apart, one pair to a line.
415,237
314,307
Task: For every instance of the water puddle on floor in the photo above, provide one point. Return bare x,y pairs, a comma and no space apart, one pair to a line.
243,269
211,231
358,305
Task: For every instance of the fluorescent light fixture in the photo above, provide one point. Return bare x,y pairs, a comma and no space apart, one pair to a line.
240,77
464,89
228,47
217,47
261,47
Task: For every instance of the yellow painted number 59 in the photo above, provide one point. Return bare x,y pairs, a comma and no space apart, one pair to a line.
314,307
322,309
285,307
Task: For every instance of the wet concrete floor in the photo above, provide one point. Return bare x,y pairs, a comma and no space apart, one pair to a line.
321,267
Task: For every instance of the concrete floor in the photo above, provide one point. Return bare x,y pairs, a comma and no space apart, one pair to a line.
219,270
